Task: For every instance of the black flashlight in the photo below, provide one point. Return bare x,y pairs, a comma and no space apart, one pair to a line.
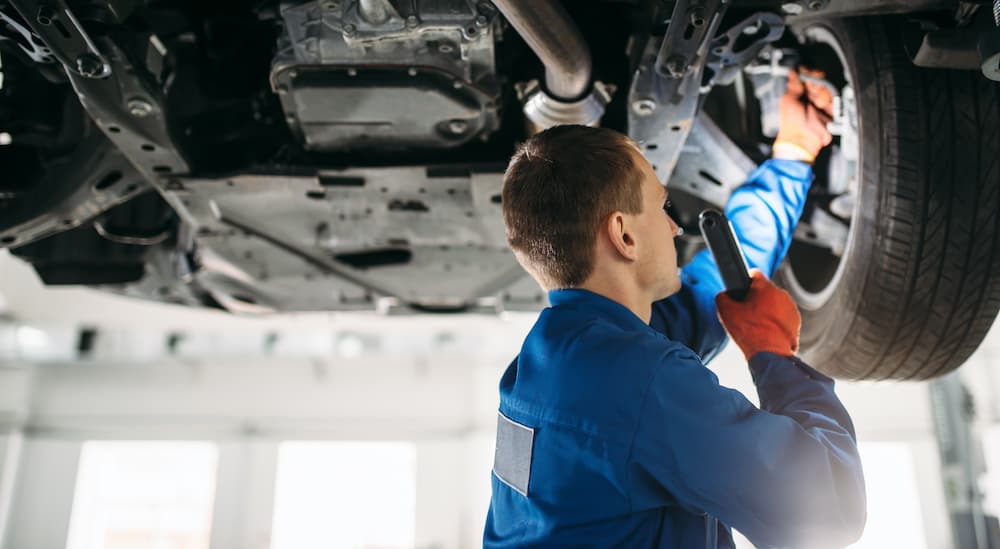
721,240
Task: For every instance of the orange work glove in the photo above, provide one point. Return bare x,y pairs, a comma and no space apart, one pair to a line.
767,320
804,112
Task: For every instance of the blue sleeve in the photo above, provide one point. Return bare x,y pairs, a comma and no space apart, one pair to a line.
763,211
787,474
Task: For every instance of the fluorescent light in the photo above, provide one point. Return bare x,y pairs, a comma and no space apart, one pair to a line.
29,337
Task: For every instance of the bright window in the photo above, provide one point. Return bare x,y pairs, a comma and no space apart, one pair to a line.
345,495
144,495
991,481
894,518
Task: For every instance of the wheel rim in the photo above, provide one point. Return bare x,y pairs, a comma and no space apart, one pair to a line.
821,247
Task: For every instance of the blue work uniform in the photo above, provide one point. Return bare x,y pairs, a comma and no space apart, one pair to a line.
612,433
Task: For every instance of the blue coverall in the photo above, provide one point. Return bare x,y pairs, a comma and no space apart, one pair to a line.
612,433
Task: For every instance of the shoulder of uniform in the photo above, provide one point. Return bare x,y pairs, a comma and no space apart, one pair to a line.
648,345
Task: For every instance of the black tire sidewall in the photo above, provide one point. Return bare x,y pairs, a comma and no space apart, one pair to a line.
826,330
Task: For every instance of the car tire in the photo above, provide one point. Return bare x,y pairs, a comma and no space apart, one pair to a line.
920,283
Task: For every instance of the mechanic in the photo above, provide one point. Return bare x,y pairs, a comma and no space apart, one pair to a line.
612,432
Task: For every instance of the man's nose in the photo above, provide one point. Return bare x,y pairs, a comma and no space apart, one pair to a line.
675,229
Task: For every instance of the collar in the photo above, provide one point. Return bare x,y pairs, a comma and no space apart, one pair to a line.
606,308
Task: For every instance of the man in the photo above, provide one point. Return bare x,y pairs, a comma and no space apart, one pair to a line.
612,433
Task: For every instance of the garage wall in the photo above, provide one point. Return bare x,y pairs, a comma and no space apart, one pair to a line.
43,495
448,408
248,408
365,399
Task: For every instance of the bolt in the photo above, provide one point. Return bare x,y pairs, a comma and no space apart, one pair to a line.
458,126
350,30
45,15
698,17
412,22
412,71
89,65
139,108
482,21
644,107
676,66
815,5
352,72
791,8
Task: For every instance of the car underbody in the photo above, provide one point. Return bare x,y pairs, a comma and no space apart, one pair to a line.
349,154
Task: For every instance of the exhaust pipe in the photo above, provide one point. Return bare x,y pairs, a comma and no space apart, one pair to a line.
569,96
551,34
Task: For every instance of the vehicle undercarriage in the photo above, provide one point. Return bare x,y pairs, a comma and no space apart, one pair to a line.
348,154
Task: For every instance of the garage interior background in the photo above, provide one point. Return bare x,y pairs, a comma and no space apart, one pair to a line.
130,424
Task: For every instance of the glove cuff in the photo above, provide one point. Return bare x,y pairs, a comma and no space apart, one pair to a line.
787,150
775,349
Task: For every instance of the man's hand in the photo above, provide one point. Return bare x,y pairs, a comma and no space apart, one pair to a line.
767,320
804,112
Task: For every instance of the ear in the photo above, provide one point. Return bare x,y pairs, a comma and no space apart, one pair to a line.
619,234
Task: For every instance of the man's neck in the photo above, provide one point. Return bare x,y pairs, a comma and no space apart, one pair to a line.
625,294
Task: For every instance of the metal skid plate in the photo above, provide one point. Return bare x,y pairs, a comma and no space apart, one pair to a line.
360,239
337,108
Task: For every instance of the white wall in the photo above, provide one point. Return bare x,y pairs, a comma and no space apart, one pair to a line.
448,408
11,445
248,408
43,494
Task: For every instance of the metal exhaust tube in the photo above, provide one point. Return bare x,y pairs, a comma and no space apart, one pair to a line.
569,97
554,38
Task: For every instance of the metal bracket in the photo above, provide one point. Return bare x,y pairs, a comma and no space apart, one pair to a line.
31,45
740,45
124,104
62,33
92,179
769,79
121,99
711,166
666,90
